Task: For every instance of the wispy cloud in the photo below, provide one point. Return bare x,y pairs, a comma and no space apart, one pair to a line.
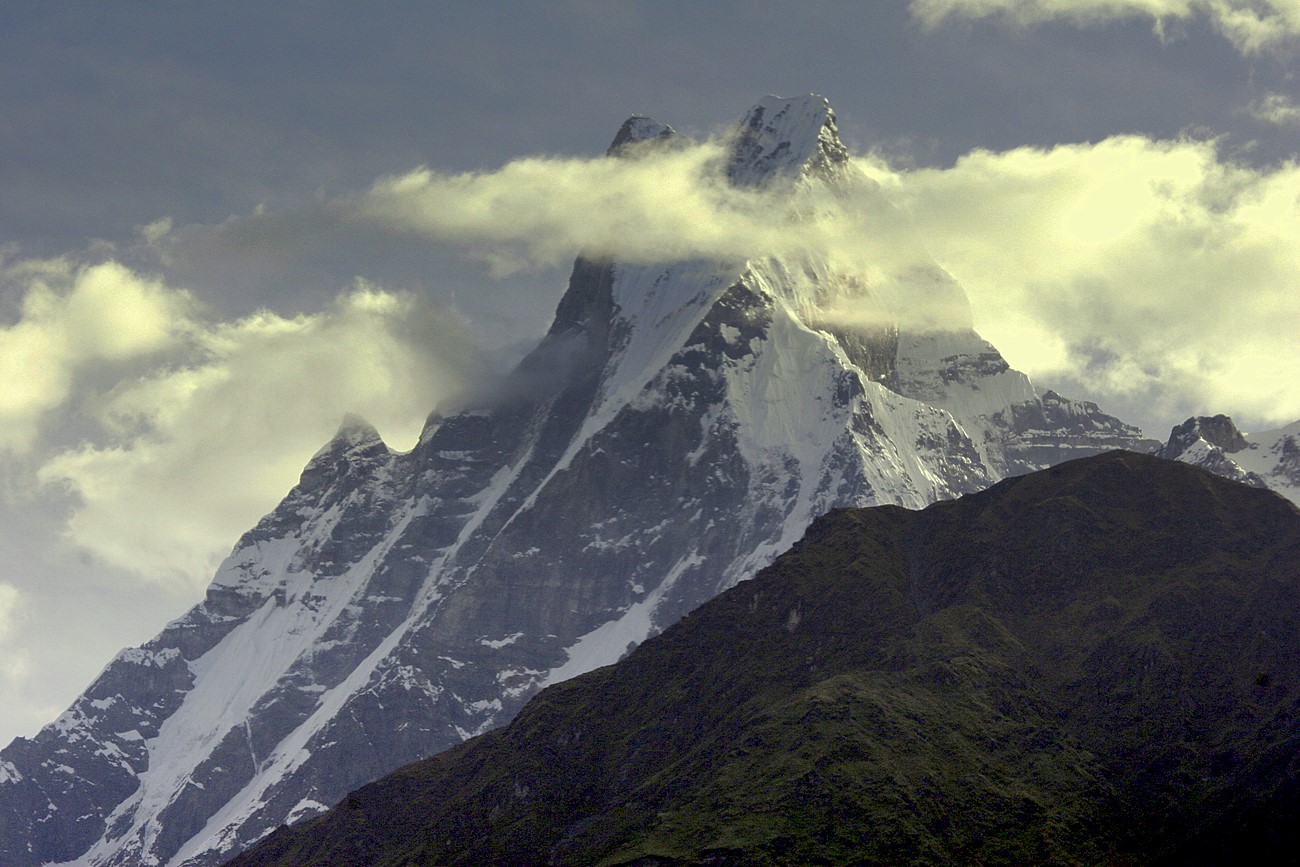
1252,26
15,662
668,204
1277,109
10,610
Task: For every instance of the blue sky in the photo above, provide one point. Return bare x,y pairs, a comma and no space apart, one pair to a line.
182,322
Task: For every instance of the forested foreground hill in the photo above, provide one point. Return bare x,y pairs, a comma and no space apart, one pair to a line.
1095,663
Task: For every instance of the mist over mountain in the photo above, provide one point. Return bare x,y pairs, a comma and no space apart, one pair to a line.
1090,664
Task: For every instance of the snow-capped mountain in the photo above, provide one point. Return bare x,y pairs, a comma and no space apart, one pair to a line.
1266,460
679,425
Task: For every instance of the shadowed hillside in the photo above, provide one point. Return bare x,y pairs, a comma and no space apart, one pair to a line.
1095,663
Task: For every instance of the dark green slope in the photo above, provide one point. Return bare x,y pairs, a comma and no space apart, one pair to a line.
1097,663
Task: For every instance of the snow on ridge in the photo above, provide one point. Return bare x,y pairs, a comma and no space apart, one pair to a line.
249,662
656,309
291,752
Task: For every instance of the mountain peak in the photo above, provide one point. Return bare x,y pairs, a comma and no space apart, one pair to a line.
787,137
639,128
1216,430
680,424
356,440
354,431
1265,459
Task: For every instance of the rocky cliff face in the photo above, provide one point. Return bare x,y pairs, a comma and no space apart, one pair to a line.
679,425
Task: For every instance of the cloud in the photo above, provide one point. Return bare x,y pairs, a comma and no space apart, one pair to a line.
1150,272
71,318
1275,108
199,452
1140,269
10,611
1252,26
670,204
662,205
191,429
23,709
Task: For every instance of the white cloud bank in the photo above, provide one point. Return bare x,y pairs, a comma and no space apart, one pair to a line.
195,428
1252,26
1152,272
72,319
1142,269
665,204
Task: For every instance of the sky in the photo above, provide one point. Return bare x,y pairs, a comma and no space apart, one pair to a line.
225,226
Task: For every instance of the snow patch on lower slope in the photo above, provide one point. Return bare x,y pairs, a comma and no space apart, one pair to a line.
607,643
219,832
238,672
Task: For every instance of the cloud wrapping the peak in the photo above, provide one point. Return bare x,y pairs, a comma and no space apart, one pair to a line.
1149,272
1252,26
665,205
661,205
